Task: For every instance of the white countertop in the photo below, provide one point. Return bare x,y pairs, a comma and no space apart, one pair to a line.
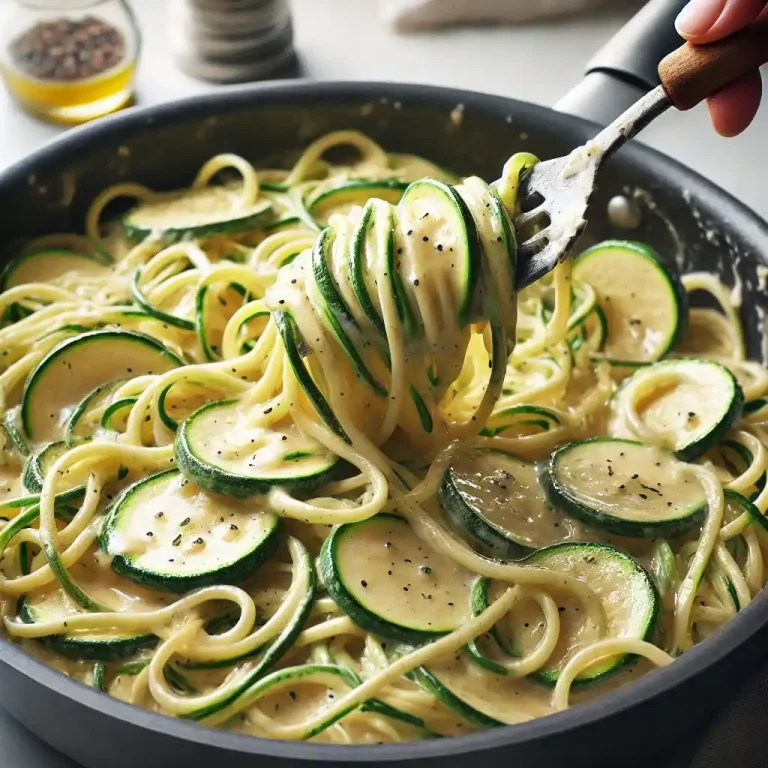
344,39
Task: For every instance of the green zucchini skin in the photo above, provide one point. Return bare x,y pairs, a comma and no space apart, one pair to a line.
125,566
346,675
668,275
431,683
535,415
746,456
561,496
91,649
39,463
480,602
289,333
358,191
114,408
357,267
332,577
457,509
649,602
753,406
100,677
172,231
746,505
58,355
7,274
336,311
472,513
425,416
165,417
464,223
165,317
653,613
15,431
730,409
276,650
71,436
207,474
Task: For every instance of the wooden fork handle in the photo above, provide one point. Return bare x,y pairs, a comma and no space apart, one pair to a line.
693,72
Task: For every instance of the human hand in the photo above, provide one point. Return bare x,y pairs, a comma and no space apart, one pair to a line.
703,21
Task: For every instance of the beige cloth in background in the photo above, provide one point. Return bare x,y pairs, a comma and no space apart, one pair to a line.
413,15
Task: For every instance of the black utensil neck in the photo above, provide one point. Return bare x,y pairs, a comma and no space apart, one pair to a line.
627,66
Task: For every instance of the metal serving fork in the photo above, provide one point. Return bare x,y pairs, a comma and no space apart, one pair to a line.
555,195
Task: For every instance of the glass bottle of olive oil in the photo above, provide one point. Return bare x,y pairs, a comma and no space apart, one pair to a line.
69,61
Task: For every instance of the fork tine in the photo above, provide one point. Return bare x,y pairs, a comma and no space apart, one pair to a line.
534,265
534,244
530,216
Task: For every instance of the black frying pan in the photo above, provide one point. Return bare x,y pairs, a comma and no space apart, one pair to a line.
165,145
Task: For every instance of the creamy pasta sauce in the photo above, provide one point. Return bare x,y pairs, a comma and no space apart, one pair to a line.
367,538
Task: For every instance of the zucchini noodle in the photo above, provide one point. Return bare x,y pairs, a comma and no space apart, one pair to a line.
234,421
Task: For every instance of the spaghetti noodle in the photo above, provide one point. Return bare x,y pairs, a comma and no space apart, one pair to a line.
267,455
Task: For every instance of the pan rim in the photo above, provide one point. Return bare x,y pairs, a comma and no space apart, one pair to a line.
694,662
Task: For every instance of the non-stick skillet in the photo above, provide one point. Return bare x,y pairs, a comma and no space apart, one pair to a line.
684,215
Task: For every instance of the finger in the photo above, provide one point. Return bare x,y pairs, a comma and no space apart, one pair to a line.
733,108
703,21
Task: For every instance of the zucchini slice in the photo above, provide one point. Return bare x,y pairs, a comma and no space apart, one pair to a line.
497,500
437,233
362,282
663,568
525,419
275,698
340,199
391,583
686,406
39,464
441,690
45,266
285,689
642,298
51,603
280,645
196,213
210,326
88,646
77,366
137,292
287,222
336,311
217,449
425,415
116,414
78,428
737,503
629,599
166,533
591,333
291,337
756,408
625,488
15,431
737,458
480,696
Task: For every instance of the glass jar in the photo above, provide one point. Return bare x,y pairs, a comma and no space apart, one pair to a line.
69,60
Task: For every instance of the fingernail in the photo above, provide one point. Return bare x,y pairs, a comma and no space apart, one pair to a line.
698,17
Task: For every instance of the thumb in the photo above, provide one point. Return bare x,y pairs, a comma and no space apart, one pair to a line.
703,21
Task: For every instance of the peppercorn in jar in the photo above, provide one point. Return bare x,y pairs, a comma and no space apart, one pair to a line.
69,60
